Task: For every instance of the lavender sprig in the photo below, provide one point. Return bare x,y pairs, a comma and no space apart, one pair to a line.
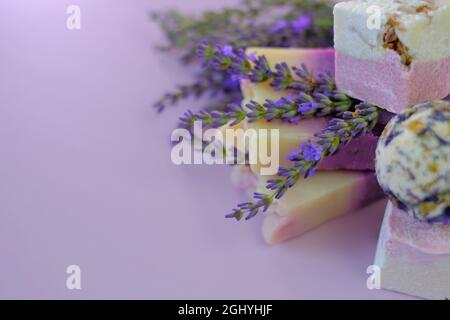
234,61
286,109
311,97
215,118
217,84
256,68
339,132
196,90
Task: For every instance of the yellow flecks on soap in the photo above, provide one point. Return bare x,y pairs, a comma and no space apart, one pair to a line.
416,126
433,167
427,207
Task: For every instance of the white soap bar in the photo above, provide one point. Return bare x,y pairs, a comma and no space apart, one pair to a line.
422,27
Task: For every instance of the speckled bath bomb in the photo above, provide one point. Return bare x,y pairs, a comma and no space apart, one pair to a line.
413,161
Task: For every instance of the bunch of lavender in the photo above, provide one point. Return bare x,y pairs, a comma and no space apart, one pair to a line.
310,96
256,23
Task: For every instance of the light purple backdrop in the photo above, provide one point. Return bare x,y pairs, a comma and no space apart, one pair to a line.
86,176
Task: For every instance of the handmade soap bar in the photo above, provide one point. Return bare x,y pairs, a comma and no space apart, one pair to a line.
413,161
316,200
414,256
393,53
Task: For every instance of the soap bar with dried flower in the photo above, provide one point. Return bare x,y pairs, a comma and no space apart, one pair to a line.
393,53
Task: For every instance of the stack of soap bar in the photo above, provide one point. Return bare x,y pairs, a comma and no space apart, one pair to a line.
414,256
327,194
358,155
412,166
316,200
400,59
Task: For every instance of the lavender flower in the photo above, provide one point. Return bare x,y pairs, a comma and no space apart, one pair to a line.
279,26
227,51
302,23
252,56
305,107
261,69
311,151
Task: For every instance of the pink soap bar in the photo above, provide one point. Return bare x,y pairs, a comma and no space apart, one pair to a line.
388,84
414,256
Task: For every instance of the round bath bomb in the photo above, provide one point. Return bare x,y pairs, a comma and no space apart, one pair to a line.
413,161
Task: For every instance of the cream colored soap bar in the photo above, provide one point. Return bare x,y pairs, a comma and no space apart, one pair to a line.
316,200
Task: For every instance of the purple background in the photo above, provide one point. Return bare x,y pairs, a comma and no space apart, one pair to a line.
86,176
